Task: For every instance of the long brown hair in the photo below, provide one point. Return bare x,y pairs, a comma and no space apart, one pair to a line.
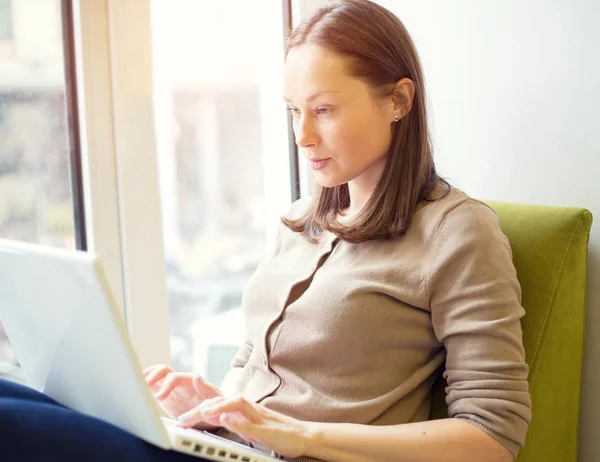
381,52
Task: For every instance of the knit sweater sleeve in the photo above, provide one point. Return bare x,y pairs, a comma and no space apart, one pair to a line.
475,302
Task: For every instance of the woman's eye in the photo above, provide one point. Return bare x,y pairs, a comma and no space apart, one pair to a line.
319,111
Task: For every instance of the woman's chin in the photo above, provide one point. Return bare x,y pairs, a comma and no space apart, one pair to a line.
327,181
326,184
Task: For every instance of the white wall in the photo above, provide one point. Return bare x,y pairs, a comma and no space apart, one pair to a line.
514,88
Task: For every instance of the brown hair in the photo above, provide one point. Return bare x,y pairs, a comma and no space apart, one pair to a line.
380,52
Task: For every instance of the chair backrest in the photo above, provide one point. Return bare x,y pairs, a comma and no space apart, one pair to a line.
550,254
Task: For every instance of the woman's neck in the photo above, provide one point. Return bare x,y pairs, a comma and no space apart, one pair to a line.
361,188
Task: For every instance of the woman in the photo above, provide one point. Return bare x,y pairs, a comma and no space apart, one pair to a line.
385,276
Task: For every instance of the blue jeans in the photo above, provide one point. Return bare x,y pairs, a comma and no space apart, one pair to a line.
35,428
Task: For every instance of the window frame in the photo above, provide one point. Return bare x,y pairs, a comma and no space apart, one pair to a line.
122,199
295,180
73,125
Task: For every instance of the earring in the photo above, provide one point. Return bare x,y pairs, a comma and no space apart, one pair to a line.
397,118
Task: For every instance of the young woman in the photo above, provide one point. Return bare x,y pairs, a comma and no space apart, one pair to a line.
384,277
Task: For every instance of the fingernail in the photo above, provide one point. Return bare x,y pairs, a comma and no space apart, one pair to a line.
206,410
182,417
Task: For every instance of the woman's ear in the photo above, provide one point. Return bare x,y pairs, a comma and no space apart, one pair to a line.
403,97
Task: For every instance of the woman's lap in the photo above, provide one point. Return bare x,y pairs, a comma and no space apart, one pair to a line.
15,390
36,428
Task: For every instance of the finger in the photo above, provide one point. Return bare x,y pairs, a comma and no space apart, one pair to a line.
233,419
211,402
194,416
239,404
238,424
151,373
170,382
204,388
156,387
157,375
150,369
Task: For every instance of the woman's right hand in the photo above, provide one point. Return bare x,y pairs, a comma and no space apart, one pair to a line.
180,392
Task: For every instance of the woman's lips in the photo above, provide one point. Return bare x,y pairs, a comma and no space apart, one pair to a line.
318,164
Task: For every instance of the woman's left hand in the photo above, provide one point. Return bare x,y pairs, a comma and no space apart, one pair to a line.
255,423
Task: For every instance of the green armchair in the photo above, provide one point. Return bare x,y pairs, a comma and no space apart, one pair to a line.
550,254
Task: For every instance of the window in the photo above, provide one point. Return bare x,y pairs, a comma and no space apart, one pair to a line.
184,117
36,203
223,163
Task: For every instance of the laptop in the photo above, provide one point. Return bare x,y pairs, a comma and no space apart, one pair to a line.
67,333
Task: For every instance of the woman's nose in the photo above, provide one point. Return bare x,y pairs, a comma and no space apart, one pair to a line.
305,133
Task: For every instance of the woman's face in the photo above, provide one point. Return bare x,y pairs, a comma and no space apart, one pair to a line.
339,126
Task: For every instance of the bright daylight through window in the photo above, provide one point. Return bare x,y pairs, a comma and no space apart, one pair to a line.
215,79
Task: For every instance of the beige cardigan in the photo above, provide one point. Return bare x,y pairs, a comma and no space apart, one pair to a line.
370,324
